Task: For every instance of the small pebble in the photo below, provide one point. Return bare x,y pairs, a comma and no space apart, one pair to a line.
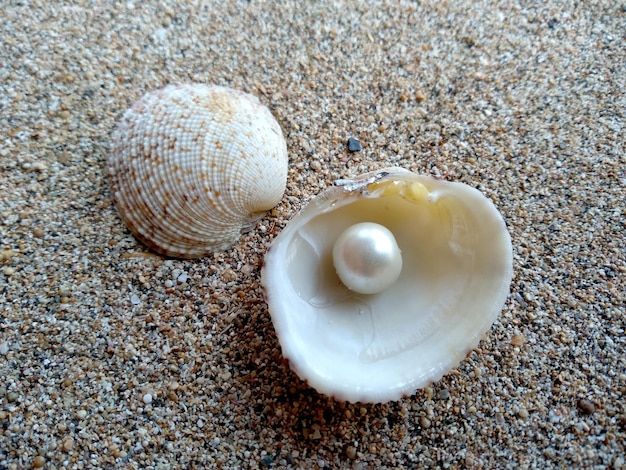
555,415
229,275
522,413
444,393
354,145
39,462
81,414
520,299
586,406
4,347
424,422
420,96
316,432
68,444
518,340
135,300
8,270
351,452
582,427
147,398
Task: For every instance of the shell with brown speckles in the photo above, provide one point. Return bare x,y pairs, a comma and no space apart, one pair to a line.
193,166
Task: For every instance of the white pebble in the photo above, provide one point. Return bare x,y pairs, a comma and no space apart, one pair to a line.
147,398
8,270
4,347
39,166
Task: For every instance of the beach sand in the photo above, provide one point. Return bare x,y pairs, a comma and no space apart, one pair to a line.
109,360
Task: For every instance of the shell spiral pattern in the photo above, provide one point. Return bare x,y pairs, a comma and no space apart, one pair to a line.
193,166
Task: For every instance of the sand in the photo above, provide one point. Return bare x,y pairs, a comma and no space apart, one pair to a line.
113,357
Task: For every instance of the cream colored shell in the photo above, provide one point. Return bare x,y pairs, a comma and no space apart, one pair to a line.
192,166
455,277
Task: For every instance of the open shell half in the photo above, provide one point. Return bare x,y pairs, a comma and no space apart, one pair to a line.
454,280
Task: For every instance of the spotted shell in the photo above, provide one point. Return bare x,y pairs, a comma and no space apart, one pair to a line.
192,166
377,346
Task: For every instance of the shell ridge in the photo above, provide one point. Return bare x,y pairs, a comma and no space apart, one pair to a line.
162,174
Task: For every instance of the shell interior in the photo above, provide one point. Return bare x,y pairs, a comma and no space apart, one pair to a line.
457,267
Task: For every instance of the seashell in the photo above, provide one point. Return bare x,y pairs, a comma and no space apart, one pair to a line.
193,166
383,284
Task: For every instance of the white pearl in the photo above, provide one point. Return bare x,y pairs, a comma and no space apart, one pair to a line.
367,258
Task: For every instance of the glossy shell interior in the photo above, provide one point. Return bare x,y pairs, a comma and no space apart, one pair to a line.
457,268
192,166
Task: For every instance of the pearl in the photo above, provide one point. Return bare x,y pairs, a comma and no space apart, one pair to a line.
367,258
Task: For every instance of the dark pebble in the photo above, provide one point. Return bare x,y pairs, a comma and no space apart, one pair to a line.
586,406
354,145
